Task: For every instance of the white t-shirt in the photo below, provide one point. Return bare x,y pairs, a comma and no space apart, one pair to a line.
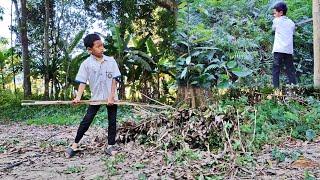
99,75
284,30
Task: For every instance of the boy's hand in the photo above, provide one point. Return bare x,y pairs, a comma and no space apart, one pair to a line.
110,100
76,100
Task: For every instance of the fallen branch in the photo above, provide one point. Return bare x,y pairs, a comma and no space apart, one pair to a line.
55,134
14,165
32,102
157,101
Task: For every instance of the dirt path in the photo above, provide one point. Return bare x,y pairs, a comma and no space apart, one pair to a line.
36,152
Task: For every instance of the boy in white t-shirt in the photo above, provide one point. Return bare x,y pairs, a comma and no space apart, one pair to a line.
283,44
102,74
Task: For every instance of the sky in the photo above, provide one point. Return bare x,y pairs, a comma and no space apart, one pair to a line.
5,23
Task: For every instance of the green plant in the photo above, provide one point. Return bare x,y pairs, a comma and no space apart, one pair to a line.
185,155
229,43
2,149
74,169
142,176
99,178
278,155
245,160
138,166
310,134
308,175
111,163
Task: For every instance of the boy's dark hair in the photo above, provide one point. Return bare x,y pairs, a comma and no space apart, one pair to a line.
90,39
281,6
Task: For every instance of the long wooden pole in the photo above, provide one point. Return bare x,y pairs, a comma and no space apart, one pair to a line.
316,41
31,103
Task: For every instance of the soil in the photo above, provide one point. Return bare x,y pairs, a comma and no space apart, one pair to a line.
37,152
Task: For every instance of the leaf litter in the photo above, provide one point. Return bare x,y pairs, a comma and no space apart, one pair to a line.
162,146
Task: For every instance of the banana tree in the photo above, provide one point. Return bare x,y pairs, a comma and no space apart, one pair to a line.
138,60
70,61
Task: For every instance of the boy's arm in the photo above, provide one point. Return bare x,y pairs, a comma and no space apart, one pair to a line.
81,88
274,24
113,92
115,81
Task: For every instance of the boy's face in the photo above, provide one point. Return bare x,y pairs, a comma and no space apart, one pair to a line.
277,13
97,49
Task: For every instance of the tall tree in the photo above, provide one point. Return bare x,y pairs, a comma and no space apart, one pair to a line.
46,49
316,41
22,26
25,51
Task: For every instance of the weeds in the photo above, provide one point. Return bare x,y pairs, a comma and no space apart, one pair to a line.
74,169
2,149
112,162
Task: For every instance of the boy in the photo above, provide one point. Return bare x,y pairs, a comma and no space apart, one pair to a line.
102,73
283,44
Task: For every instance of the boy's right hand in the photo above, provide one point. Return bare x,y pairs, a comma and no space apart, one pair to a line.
76,100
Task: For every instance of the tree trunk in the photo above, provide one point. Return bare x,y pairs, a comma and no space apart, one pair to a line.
194,97
46,49
22,26
171,5
11,44
316,42
2,77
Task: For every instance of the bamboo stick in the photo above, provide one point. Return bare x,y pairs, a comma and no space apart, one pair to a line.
33,102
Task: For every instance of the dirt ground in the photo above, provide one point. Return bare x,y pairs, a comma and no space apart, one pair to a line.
37,152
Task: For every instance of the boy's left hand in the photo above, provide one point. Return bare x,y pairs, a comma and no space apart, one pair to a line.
110,100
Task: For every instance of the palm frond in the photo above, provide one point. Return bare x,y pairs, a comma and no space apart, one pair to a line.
75,41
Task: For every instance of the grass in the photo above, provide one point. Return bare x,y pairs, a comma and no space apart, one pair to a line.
138,166
2,149
112,162
74,169
61,115
186,155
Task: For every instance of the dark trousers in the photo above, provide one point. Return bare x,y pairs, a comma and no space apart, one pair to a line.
279,60
88,118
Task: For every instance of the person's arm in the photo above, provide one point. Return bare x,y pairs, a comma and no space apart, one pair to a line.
115,80
81,88
294,28
81,78
274,24
113,92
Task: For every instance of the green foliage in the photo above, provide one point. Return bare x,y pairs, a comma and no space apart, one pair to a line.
139,166
142,176
1,13
99,178
185,155
112,162
278,155
74,169
8,100
310,135
229,43
308,175
245,160
57,115
2,149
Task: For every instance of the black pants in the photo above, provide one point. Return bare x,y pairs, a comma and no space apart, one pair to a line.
88,118
279,60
